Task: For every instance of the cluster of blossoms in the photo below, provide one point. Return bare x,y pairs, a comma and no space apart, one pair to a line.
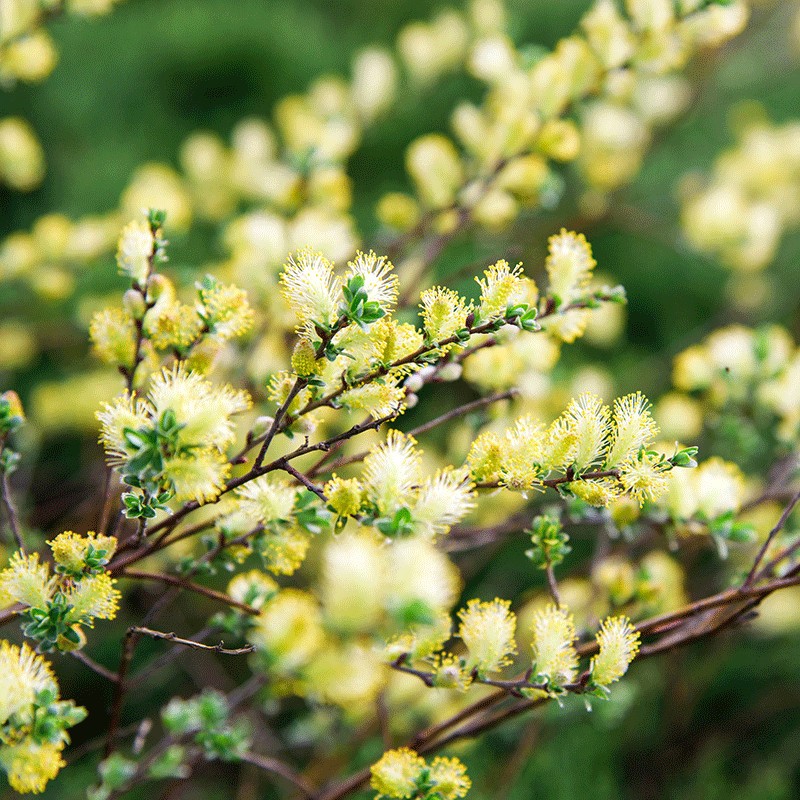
488,633
708,501
325,644
740,211
153,322
738,373
372,602
402,773
274,518
356,352
57,606
33,721
28,55
616,70
576,303
173,440
351,353
21,155
290,176
393,496
591,451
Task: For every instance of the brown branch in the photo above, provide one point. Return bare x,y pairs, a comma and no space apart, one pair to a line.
432,738
190,586
411,358
465,538
382,718
275,427
81,751
79,655
552,584
460,411
654,624
7,614
6,501
108,500
166,658
431,732
186,533
278,426
128,648
171,521
172,637
276,767
787,552
553,482
779,525
130,373
10,511
260,469
317,467
310,485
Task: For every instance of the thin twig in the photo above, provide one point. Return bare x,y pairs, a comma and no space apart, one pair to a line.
190,586
108,501
79,655
259,468
6,501
433,738
466,538
276,767
274,428
552,584
10,511
81,751
309,484
382,717
779,525
128,647
175,639
461,411
553,482
170,522
162,661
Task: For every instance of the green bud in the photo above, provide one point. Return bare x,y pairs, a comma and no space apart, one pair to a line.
180,716
156,218
116,771
170,764
549,542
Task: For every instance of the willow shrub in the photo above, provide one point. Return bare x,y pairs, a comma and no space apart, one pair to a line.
258,464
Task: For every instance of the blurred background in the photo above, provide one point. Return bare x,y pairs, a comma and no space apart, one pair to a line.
718,720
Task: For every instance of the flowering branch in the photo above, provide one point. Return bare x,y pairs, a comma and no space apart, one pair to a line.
435,737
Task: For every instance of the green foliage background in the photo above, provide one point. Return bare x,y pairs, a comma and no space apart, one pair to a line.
719,720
